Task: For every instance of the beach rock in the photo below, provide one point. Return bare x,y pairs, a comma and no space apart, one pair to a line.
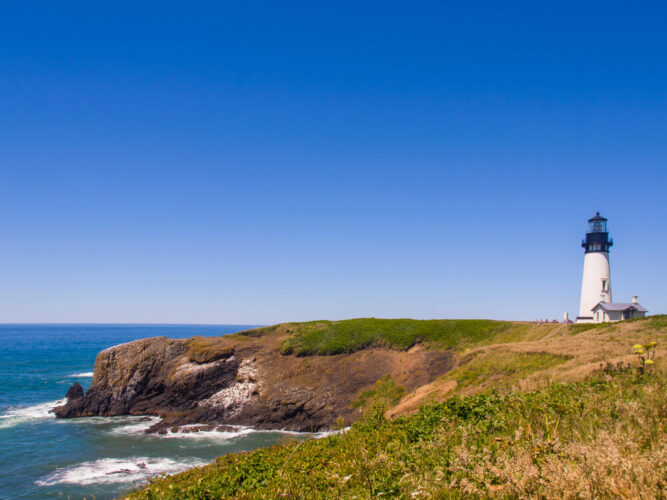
241,381
74,392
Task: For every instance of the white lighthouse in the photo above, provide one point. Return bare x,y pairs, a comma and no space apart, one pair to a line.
596,305
596,282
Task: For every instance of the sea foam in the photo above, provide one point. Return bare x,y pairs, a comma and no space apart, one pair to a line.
81,375
212,435
17,416
240,431
132,426
117,470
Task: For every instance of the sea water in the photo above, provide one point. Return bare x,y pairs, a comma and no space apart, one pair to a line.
95,457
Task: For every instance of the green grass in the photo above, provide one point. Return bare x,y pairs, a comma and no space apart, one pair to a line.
658,321
256,332
385,391
584,327
601,438
207,349
329,337
504,368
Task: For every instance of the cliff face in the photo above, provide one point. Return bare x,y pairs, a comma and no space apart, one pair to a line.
243,381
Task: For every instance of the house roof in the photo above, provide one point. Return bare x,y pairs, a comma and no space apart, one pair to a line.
619,306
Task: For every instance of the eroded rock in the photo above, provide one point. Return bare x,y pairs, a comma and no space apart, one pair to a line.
227,381
74,392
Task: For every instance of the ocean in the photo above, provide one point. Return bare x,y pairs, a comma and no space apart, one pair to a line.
98,457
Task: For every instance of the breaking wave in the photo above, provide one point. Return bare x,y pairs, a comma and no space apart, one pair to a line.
81,375
117,470
132,426
189,432
186,432
17,416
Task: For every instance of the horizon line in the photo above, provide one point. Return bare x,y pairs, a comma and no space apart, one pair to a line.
126,324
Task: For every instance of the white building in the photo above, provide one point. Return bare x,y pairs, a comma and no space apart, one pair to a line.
596,305
618,311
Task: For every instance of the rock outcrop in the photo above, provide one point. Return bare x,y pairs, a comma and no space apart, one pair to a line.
235,380
74,392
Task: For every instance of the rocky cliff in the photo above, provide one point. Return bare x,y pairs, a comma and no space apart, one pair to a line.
243,380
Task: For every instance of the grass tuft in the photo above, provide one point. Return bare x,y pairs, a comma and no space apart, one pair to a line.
207,349
385,392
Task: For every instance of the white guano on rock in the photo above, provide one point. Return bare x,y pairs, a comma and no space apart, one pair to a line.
233,398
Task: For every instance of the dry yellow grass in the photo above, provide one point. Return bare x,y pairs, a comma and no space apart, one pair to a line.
426,393
558,352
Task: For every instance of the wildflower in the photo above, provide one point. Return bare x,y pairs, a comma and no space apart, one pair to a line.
648,362
637,346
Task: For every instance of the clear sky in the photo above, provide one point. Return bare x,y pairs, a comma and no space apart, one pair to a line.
256,162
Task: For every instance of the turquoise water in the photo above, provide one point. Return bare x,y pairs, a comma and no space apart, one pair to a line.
41,457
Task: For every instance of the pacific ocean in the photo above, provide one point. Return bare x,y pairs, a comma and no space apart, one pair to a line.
44,457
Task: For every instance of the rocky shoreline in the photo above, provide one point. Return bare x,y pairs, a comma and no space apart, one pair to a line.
218,382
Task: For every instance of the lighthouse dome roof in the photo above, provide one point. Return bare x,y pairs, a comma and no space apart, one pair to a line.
597,217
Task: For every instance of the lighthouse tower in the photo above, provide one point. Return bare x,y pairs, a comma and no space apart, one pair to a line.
596,283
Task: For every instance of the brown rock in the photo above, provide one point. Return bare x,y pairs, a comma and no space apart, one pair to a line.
230,380
74,392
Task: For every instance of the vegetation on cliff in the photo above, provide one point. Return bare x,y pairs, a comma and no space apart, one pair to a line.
352,335
605,436
529,410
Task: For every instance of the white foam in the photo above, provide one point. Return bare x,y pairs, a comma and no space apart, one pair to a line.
17,416
138,425
212,435
81,375
314,435
242,431
323,434
117,470
133,426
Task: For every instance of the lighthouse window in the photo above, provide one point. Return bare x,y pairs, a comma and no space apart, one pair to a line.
604,285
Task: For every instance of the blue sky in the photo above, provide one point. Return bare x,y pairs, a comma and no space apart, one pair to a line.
256,162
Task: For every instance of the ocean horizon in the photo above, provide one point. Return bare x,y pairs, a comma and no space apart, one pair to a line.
45,457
